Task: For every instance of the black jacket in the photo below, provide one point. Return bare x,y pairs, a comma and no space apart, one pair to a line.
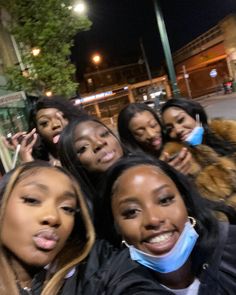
218,274
109,272
120,275
106,272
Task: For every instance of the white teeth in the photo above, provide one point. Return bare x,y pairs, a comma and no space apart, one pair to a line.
160,238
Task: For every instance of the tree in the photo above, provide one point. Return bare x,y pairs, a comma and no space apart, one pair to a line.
47,25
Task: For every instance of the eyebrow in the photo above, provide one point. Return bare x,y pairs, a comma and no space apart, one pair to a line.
41,186
85,137
129,200
45,189
134,199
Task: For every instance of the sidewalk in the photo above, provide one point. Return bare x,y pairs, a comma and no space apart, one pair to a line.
214,96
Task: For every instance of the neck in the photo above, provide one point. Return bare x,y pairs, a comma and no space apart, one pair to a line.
178,279
24,274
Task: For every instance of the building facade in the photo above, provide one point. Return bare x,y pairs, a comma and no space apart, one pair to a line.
207,61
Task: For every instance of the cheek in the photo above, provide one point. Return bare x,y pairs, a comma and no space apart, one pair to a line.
43,132
139,138
68,225
16,234
86,160
129,230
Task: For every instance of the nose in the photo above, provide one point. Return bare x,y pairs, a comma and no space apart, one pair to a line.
98,144
152,219
150,133
177,130
56,124
50,216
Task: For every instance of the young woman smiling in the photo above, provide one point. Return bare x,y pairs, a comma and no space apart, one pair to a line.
140,129
212,144
169,228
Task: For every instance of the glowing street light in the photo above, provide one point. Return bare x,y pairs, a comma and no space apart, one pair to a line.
48,93
35,51
79,8
96,58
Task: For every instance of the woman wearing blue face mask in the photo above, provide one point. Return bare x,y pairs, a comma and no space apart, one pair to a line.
211,143
169,228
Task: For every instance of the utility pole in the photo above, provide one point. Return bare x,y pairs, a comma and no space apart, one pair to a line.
166,48
145,61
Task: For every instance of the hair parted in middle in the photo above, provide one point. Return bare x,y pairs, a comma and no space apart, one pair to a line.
202,209
76,248
124,118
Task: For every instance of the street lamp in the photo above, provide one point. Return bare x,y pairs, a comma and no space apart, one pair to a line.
80,7
48,93
166,48
96,59
35,51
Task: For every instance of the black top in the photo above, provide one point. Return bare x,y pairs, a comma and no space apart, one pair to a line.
109,272
106,272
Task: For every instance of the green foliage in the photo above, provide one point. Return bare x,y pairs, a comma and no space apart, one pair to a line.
50,26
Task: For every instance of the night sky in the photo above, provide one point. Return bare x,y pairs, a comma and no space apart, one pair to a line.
119,24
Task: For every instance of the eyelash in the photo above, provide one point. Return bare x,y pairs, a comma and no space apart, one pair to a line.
69,210
166,200
105,133
81,150
163,201
130,213
180,120
43,124
31,201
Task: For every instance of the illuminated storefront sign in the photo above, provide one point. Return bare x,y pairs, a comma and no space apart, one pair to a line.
94,97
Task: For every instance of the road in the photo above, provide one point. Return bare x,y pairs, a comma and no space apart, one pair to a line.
219,105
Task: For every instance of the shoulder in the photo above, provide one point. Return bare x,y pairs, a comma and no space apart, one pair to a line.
110,271
226,129
223,267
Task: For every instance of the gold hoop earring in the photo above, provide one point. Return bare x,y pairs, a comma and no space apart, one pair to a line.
192,220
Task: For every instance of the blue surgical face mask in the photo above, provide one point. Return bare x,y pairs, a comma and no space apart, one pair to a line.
196,136
174,259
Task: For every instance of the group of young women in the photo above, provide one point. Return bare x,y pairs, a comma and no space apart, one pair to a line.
127,215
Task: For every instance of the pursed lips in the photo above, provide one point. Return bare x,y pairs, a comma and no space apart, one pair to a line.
46,239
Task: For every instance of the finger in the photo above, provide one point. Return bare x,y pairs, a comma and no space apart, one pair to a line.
28,138
165,157
63,121
32,142
8,144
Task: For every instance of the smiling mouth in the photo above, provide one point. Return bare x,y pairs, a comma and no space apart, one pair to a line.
160,238
161,243
156,142
107,157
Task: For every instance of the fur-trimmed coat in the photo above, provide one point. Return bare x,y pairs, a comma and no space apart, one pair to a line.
214,175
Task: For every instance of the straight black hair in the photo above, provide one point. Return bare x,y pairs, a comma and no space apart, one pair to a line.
193,108
89,182
41,149
124,118
200,208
